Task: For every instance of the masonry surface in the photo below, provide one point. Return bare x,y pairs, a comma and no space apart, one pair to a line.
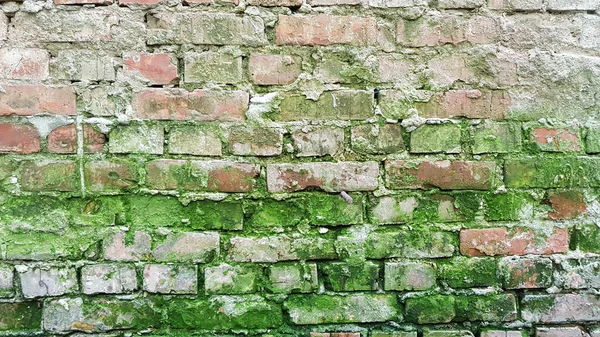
287,168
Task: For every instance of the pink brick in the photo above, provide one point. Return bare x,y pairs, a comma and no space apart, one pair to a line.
274,69
200,105
153,68
466,103
28,100
24,63
515,241
19,138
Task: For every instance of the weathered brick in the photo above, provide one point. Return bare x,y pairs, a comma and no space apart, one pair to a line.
376,139
109,176
156,69
218,176
318,141
206,28
339,104
83,2
108,279
230,279
513,241
140,138
393,209
7,276
3,27
566,205
560,308
189,247
517,5
274,69
526,273
212,67
21,316
30,99
573,5
339,68
324,30
393,334
279,248
255,141
396,3
436,138
51,281
448,333
358,308
430,309
496,137
274,3
64,139
395,68
458,175
578,273
49,175
331,210
503,333
551,172
460,4
592,140
287,278
330,177
448,28
199,105
115,248
466,103
587,237
140,2
409,276
416,244
555,140
24,64
334,2
573,331
19,138
194,140
170,279
341,276
84,65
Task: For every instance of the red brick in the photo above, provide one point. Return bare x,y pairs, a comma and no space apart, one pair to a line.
325,30
153,68
216,176
24,63
515,241
466,103
19,138
447,175
64,139
556,140
330,177
200,105
274,69
566,205
274,3
83,2
108,176
27,100
49,175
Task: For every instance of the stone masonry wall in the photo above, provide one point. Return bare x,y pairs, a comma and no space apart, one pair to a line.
287,168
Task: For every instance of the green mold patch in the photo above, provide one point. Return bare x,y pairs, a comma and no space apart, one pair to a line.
340,276
24,316
587,239
272,213
508,206
431,309
462,272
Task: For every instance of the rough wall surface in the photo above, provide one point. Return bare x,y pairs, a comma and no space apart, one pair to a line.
325,168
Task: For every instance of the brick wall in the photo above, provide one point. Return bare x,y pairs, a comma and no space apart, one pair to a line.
282,168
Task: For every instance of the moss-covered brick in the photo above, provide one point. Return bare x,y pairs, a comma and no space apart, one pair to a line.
7,277
222,313
552,172
487,308
280,248
49,175
496,137
560,308
468,204
393,334
293,278
137,139
161,211
587,238
212,67
355,308
231,279
376,139
508,206
578,273
409,276
393,209
343,105
411,244
430,309
592,140
7,167
325,209
21,316
463,272
443,138
448,333
255,141
340,276
555,139
526,273
396,104
273,213
110,176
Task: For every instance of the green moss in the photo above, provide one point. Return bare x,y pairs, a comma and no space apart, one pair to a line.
462,272
431,309
468,204
535,304
587,238
326,209
20,316
339,276
489,308
272,213
508,206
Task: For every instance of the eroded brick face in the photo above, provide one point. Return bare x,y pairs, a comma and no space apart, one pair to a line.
300,168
